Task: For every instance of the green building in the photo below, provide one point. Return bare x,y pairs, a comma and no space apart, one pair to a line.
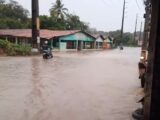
75,41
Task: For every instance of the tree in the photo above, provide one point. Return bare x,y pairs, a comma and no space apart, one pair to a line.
58,10
13,15
74,23
2,1
126,40
16,11
51,23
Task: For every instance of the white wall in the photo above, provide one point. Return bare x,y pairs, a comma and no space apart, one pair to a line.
99,39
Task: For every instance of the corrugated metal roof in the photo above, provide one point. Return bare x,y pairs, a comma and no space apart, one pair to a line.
44,33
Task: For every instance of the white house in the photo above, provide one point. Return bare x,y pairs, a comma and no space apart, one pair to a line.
99,42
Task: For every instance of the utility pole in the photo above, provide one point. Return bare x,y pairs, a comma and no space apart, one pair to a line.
146,33
152,98
147,17
140,34
135,32
149,38
123,15
35,25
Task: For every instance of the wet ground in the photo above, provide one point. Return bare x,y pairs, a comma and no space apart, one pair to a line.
72,86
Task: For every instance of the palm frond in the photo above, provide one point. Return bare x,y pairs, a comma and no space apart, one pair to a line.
58,10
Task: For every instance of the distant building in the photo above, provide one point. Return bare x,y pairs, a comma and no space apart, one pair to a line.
108,43
99,41
75,41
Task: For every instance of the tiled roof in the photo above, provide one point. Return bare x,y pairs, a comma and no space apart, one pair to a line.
44,33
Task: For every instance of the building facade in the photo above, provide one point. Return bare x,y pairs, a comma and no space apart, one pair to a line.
61,40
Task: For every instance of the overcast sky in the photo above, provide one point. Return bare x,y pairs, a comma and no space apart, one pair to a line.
103,15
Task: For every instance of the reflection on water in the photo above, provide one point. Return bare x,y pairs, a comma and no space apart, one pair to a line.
72,86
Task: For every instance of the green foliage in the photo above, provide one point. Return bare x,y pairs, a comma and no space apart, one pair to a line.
22,49
13,15
51,23
60,19
15,49
72,22
58,10
126,40
3,44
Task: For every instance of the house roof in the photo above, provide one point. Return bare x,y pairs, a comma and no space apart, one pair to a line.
44,33
98,35
107,40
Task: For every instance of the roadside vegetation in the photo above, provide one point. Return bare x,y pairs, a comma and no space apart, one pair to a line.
12,49
126,40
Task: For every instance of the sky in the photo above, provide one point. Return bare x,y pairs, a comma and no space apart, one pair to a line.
105,15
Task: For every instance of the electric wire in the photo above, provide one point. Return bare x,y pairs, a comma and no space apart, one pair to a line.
137,5
104,2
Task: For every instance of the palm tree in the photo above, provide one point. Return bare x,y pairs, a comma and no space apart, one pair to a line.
58,10
2,1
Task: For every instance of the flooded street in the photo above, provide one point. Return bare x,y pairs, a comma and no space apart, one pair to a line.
98,85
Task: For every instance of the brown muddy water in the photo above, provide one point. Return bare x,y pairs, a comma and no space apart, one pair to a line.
72,86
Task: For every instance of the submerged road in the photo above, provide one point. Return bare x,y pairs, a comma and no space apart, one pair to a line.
73,86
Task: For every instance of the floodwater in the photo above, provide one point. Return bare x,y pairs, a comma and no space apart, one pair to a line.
73,86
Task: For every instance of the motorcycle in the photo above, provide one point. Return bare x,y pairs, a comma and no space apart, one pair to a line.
47,54
121,47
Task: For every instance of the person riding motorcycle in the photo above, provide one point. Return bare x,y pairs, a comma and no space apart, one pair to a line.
46,51
121,46
45,46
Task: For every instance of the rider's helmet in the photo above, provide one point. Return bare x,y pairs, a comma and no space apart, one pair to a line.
46,42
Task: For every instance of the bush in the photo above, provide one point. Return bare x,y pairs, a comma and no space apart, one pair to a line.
3,44
22,49
12,49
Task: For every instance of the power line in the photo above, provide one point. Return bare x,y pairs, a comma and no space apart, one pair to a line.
104,2
137,4
108,1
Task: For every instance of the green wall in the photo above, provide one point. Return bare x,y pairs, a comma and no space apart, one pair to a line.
78,36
